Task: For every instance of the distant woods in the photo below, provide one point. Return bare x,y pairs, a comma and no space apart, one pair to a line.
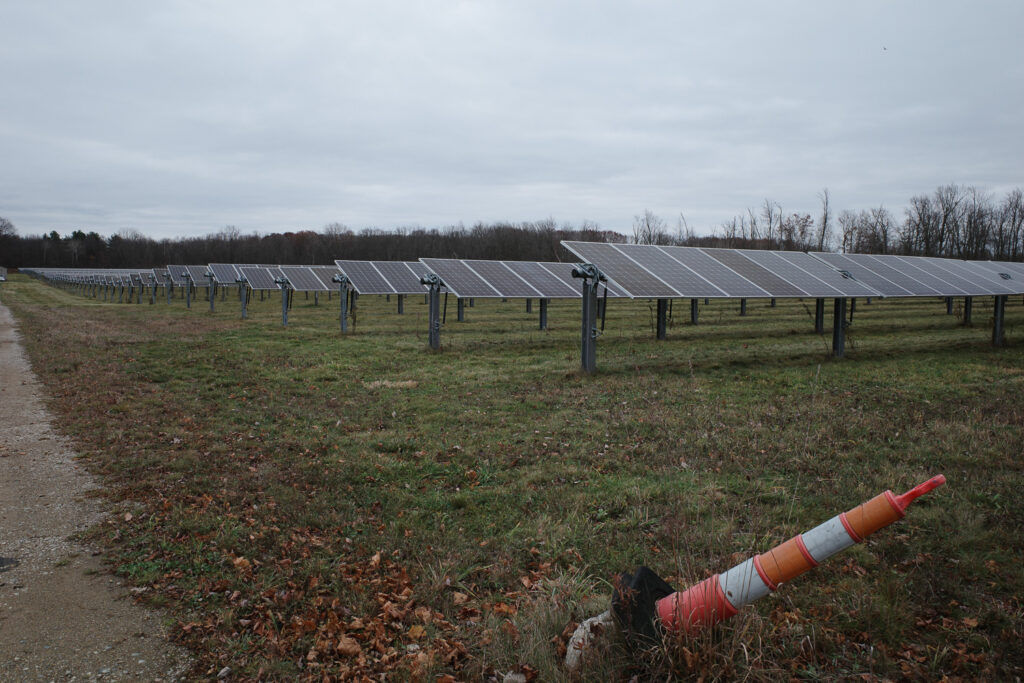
954,221
526,241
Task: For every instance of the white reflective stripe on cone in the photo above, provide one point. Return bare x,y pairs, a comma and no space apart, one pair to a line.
827,539
742,584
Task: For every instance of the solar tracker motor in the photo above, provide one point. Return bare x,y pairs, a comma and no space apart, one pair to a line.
647,608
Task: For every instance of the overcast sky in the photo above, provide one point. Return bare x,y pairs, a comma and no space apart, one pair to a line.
178,118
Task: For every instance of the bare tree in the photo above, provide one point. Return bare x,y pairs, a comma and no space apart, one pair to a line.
7,228
649,228
684,233
772,214
978,218
848,224
825,223
949,201
1009,228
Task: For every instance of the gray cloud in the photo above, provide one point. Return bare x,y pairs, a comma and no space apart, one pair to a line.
181,117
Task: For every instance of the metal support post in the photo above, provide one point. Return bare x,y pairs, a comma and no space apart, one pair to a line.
401,304
853,307
968,305
592,279
343,283
773,303
819,316
543,314
839,328
529,305
998,310
433,282
693,311
949,305
461,306
285,285
743,306
211,292
243,295
662,318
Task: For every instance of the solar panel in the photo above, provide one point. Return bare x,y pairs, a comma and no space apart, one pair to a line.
547,284
198,274
633,279
726,279
303,279
326,275
460,279
859,270
403,276
760,276
971,280
916,279
499,276
365,277
259,278
672,271
1001,270
563,271
847,285
177,275
224,273
786,270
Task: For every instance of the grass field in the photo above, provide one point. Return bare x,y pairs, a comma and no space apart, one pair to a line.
307,505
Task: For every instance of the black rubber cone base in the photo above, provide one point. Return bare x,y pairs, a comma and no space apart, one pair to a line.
635,603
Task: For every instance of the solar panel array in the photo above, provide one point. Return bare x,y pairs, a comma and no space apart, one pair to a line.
660,272
481,279
907,276
224,273
326,275
259,278
384,277
303,279
198,275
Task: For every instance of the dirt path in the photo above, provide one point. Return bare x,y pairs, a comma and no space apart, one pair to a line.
62,617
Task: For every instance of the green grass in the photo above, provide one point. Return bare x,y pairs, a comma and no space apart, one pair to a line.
292,487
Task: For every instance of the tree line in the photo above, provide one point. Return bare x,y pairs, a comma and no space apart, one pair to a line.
532,241
953,221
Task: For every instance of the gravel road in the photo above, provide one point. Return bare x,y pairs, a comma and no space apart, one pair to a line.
63,617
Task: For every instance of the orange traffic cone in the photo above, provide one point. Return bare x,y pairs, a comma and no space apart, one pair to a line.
646,606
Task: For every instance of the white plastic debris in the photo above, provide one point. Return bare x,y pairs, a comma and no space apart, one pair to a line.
586,634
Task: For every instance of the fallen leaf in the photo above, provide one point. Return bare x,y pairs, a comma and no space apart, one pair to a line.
349,646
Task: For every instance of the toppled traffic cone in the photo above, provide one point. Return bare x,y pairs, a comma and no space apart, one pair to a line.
646,608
